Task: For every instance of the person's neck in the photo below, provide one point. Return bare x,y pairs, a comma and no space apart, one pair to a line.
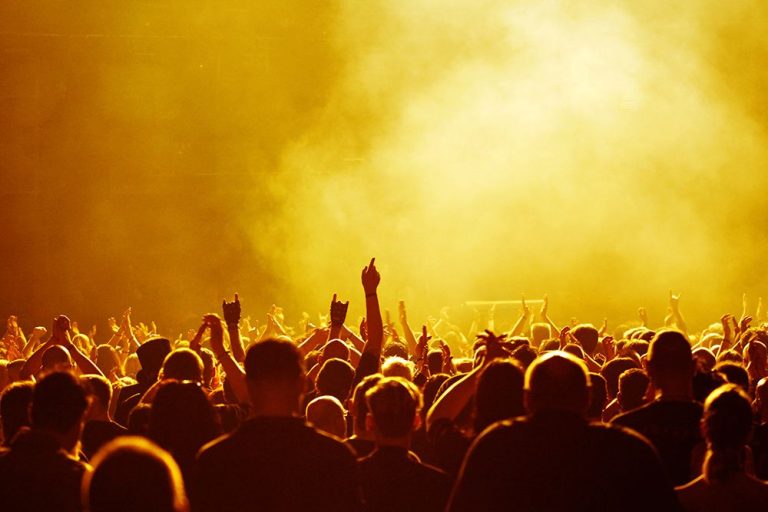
361,433
273,409
681,392
399,442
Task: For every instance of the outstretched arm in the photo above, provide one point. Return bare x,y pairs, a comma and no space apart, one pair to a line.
677,316
235,374
370,359
232,312
407,332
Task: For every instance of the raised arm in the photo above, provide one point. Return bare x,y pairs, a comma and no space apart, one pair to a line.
544,315
235,374
370,359
520,324
338,316
677,316
407,332
232,312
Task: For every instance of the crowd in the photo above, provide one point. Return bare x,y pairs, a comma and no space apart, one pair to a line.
382,417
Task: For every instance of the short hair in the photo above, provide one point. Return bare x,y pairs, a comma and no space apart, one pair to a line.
633,386
14,407
132,473
587,336
598,396
327,414
97,386
612,370
398,367
727,421
575,350
730,355
58,402
435,361
431,388
335,378
107,359
704,358
670,354
394,403
525,355
548,346
640,347
273,360
540,332
360,406
395,349
183,364
138,420
499,393
558,381
734,373
335,349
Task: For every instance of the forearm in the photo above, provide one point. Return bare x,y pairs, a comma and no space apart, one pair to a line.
32,364
518,327
235,376
409,337
352,338
87,367
236,343
453,401
374,323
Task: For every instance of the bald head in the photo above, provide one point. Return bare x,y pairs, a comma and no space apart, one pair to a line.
557,381
327,414
56,358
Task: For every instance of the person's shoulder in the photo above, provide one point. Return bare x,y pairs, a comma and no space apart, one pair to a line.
219,448
619,434
633,416
331,443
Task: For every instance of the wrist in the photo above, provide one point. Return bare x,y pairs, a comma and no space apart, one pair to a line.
370,294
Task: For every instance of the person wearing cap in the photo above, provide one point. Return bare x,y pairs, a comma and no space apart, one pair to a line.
151,355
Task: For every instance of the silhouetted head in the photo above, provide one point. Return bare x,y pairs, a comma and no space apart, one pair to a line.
435,361
557,381
611,371
56,359
151,355
726,426
182,419
99,390
587,336
335,379
58,406
107,360
274,371
335,349
14,408
183,364
598,396
398,367
669,359
394,404
394,349
327,414
734,373
359,405
539,333
633,389
131,474
499,393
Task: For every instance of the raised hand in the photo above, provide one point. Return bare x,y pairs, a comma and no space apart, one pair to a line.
38,332
421,346
60,330
231,311
493,348
543,312
213,322
674,301
525,311
338,311
643,314
370,278
609,347
113,325
195,343
403,315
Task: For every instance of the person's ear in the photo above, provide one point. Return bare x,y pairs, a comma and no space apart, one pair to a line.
370,425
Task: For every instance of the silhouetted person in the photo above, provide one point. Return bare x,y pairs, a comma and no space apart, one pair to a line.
151,355
38,472
326,414
131,474
182,420
99,428
391,478
671,421
274,461
725,484
14,408
555,460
